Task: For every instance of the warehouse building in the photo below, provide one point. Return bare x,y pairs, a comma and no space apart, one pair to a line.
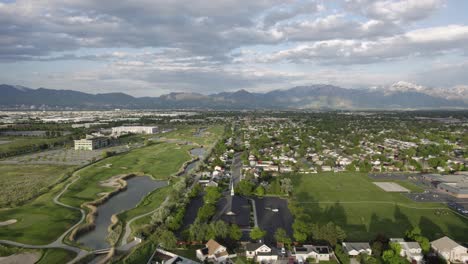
455,185
134,130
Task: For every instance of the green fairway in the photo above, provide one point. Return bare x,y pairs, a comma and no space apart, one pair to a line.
39,221
159,160
20,183
207,138
352,201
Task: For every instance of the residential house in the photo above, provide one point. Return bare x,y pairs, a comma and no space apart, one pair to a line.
319,253
354,249
261,253
411,250
213,251
450,250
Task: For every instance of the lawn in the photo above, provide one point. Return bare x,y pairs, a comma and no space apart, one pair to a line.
20,183
352,201
159,160
39,221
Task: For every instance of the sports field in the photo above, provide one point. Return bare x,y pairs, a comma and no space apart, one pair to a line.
364,210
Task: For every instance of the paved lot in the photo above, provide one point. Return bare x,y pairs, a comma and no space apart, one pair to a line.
62,156
391,187
273,213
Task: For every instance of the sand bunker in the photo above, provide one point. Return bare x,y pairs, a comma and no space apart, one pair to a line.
8,222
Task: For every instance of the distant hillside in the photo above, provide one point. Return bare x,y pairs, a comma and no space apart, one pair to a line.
302,97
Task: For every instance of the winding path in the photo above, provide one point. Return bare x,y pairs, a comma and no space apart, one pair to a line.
58,243
128,229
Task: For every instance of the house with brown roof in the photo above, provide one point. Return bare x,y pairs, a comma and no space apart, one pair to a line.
213,251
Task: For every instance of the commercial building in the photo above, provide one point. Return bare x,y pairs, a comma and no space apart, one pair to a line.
91,143
134,130
455,185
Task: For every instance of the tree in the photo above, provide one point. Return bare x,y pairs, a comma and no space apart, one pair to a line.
212,194
165,238
260,191
198,231
245,187
282,237
257,233
235,233
219,229
301,230
286,186
377,247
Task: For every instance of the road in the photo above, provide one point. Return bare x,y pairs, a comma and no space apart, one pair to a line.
236,168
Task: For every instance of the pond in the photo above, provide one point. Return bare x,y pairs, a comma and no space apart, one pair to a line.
137,188
198,152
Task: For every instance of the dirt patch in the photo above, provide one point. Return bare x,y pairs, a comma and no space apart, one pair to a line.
8,222
112,181
23,258
107,166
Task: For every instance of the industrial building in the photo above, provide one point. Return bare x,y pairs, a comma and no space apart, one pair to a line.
455,185
134,130
91,143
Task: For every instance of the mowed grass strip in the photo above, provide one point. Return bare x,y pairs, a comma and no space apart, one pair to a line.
352,201
20,183
159,160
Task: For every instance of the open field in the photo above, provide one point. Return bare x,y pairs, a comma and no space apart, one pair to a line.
21,144
352,201
22,183
159,160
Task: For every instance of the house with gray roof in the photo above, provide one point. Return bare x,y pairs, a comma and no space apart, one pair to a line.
450,250
319,253
412,251
356,248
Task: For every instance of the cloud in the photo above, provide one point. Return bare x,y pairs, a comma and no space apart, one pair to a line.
399,11
286,12
421,42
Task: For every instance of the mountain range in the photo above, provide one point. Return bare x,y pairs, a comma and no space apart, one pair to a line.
401,95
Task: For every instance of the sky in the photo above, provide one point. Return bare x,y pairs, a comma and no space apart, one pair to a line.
154,47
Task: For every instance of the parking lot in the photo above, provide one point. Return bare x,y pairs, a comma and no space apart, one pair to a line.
63,156
273,213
